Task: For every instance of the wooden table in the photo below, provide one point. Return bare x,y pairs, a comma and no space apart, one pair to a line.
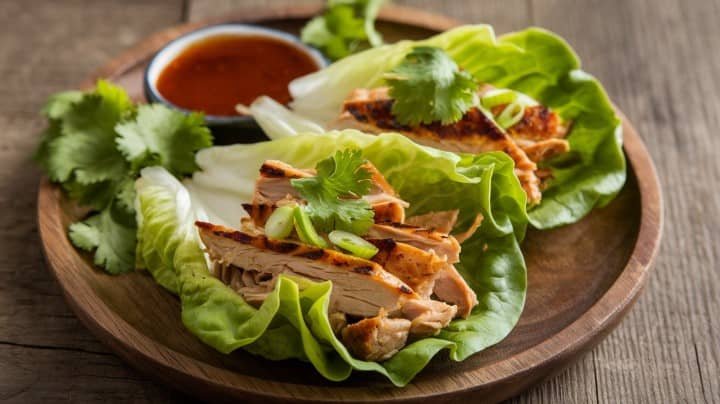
659,61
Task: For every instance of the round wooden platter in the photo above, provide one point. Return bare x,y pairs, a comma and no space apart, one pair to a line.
582,280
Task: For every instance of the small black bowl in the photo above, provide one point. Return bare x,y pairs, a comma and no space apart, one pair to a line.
175,47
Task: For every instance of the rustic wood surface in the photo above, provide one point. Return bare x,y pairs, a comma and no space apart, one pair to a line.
656,59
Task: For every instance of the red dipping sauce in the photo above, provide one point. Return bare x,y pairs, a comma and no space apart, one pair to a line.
217,73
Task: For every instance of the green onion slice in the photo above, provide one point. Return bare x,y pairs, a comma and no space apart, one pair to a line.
355,245
305,229
280,224
496,97
511,115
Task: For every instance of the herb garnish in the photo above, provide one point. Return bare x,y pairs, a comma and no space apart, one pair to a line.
428,86
95,145
334,195
344,27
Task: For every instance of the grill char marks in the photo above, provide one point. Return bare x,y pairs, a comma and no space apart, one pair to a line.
417,268
537,123
474,133
424,239
271,171
278,169
259,212
379,112
360,287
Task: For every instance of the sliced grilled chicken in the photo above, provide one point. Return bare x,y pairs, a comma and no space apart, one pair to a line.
370,110
425,239
540,133
427,317
451,287
254,286
274,185
417,268
377,338
442,222
388,211
360,287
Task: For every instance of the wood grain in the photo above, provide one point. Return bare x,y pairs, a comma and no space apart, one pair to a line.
656,58
576,296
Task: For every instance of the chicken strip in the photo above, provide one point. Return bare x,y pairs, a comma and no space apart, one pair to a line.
370,110
360,287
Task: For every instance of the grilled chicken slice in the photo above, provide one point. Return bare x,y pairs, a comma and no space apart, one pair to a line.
370,110
427,317
377,338
442,222
254,286
417,268
540,133
451,287
274,185
360,287
444,246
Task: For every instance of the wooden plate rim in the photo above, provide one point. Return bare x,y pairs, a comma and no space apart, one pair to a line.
163,363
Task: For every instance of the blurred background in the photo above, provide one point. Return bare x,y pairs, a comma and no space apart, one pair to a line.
658,59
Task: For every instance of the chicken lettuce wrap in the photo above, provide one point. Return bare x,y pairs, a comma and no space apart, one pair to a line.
467,91
343,249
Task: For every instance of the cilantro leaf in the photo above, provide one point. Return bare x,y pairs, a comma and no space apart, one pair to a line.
334,195
428,87
84,148
162,136
111,235
60,104
97,195
95,145
344,27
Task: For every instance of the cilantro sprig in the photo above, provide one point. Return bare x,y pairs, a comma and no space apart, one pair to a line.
95,145
344,27
334,195
428,86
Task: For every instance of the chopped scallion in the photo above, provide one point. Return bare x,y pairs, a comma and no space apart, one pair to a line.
280,224
496,97
355,245
305,229
511,115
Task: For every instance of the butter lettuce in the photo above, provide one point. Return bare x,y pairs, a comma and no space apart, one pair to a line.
535,62
292,322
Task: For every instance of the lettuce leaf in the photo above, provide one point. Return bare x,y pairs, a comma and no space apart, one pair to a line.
170,249
292,322
535,62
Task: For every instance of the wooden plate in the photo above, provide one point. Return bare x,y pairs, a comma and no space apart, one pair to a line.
582,278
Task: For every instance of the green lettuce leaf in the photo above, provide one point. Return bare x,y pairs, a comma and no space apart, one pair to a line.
169,248
293,322
535,62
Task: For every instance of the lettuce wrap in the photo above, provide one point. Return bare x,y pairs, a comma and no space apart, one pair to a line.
293,321
535,62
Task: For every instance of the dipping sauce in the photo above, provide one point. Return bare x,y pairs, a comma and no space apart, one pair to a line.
219,72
